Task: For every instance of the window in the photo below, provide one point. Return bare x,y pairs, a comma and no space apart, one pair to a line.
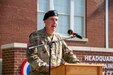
71,14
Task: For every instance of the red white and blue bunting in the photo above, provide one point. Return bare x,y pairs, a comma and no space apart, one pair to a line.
25,69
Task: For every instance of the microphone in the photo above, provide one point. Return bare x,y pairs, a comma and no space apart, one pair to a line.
70,32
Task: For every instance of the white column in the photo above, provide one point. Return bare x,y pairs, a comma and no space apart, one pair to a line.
107,38
51,4
72,14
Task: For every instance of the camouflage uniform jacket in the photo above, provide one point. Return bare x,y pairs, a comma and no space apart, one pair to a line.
39,57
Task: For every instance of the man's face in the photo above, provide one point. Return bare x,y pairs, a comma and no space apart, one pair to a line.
51,24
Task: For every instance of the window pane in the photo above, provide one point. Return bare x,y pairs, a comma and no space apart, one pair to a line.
78,25
40,20
43,5
79,7
62,6
79,18
63,24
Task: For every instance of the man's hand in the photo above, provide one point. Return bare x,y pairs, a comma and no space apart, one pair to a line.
52,66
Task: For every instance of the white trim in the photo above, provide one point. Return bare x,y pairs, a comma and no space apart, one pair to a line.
14,45
84,25
107,32
74,39
93,49
51,4
72,14
77,39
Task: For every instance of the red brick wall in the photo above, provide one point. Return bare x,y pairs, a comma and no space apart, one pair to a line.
95,23
111,23
12,61
18,18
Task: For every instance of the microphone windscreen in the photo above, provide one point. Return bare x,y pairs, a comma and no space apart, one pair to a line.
70,31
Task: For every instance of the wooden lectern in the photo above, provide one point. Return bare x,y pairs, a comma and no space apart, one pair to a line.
77,69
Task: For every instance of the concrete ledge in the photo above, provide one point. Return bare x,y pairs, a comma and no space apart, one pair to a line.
74,39
77,39
94,49
14,45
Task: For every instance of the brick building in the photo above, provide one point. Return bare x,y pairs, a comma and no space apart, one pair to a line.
19,18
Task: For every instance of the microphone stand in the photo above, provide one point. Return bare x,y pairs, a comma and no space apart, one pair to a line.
50,46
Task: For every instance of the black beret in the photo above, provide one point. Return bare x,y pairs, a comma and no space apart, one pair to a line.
50,13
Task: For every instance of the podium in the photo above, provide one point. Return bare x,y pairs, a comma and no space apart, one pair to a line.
78,69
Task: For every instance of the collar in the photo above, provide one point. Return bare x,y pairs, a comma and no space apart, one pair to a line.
44,30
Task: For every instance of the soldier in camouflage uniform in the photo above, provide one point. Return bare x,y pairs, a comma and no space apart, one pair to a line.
39,57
